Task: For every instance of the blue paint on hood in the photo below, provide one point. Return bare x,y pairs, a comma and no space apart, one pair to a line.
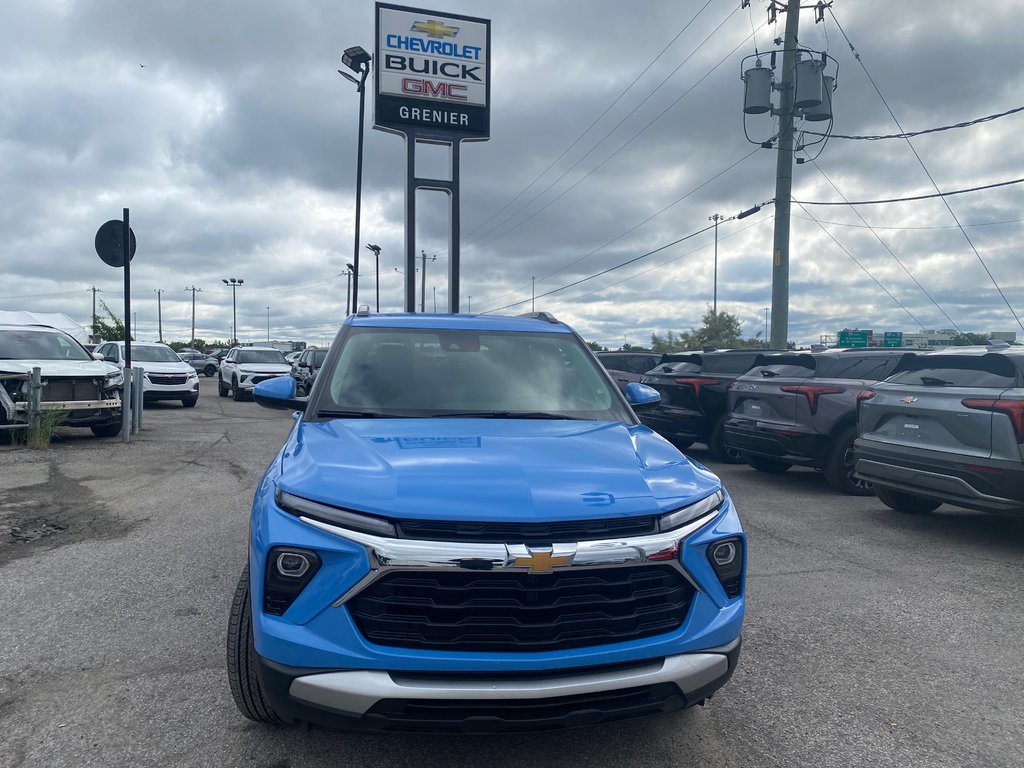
490,469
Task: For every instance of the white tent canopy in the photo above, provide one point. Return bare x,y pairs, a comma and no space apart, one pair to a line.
54,319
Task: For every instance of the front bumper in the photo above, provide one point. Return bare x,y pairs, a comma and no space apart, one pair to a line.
493,703
250,380
679,423
989,485
786,442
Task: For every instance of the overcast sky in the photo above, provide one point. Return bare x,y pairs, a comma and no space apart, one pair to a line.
227,131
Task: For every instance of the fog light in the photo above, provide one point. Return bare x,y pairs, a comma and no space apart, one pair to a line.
289,570
726,557
724,554
292,564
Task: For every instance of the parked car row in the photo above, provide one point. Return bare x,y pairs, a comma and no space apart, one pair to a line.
916,427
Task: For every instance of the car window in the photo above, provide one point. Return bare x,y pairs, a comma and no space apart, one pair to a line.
786,370
146,354
728,363
419,372
869,367
985,371
40,345
260,356
319,356
684,368
613,362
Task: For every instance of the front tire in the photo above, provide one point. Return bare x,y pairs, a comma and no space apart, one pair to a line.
209,371
236,392
245,685
839,468
189,402
107,430
222,388
906,502
763,464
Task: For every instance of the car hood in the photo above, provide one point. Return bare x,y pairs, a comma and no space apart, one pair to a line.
183,368
490,470
265,367
90,368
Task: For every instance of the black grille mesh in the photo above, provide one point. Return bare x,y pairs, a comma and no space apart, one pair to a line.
526,533
57,390
508,611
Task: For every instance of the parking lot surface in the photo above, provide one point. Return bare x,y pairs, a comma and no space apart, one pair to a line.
872,638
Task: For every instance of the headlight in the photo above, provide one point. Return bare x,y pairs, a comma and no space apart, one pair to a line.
692,511
357,521
115,379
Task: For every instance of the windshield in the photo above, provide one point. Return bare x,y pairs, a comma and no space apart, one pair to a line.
261,356
142,354
425,372
40,345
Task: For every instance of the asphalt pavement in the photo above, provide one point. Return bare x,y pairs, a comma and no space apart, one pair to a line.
872,638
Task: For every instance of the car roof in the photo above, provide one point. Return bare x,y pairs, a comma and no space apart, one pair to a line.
30,327
261,349
138,343
442,322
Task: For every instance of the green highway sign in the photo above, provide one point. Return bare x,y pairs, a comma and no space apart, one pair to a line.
892,339
853,338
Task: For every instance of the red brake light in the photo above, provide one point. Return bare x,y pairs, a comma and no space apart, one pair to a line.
865,394
697,384
1012,408
811,392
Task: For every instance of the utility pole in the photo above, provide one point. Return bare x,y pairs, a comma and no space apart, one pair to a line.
159,314
784,182
716,218
349,271
766,326
94,290
268,325
469,305
423,282
533,293
193,289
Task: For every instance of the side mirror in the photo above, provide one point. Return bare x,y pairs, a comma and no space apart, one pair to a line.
96,355
303,364
111,359
279,393
641,396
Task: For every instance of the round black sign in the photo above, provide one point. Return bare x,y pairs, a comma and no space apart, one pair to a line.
109,245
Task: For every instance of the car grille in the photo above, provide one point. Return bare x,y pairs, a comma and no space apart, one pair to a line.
518,611
158,378
527,533
474,716
258,379
71,389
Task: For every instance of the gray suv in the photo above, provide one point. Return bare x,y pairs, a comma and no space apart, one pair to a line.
802,409
947,427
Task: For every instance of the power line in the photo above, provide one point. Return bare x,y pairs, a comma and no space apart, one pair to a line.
938,194
926,171
595,122
866,271
938,226
488,238
890,250
908,134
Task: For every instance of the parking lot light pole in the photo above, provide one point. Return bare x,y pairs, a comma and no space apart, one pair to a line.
268,325
234,282
376,252
714,306
350,271
358,60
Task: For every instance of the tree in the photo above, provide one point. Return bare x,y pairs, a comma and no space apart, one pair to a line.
969,339
108,331
721,330
596,347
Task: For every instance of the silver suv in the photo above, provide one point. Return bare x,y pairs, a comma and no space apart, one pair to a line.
947,427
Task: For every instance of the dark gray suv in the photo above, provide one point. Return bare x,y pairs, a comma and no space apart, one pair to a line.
802,409
947,427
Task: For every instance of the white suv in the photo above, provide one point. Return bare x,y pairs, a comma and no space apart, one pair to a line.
244,367
165,375
73,380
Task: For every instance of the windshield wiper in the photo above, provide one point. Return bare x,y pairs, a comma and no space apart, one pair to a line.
501,415
354,414
934,381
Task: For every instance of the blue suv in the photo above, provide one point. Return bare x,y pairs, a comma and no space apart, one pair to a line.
468,530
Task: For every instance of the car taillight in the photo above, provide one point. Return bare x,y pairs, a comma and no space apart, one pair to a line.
811,392
865,394
1012,408
697,384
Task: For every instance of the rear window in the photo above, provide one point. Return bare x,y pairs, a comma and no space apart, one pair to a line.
870,368
985,371
676,368
788,371
729,363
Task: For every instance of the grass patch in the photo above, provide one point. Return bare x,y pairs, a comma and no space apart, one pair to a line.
49,420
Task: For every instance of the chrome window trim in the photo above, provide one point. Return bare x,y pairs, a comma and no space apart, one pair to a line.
388,554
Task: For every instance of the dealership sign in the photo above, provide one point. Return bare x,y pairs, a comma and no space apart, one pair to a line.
432,73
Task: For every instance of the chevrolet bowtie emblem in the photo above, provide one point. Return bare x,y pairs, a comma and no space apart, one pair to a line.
435,28
909,399
541,560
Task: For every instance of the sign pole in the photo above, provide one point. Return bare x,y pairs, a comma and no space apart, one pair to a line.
128,387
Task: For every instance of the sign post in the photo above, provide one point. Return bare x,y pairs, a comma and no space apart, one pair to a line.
115,245
432,85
